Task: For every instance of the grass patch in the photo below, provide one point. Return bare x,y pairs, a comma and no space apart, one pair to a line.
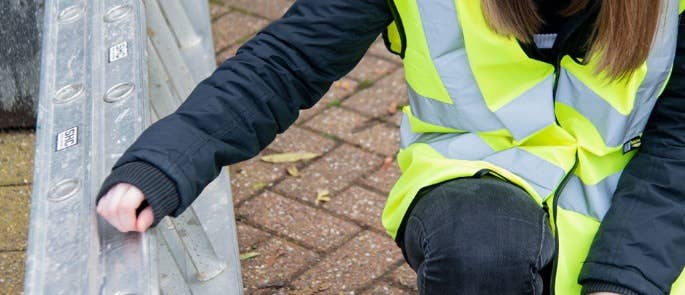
335,103
364,84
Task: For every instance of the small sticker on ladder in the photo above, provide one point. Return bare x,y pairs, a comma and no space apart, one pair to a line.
118,51
67,138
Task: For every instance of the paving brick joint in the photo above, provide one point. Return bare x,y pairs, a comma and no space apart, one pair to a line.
302,246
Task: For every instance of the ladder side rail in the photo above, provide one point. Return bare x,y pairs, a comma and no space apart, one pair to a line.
59,245
164,42
181,24
127,259
214,209
212,248
85,94
200,58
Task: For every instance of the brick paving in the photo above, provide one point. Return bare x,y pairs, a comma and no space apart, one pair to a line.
16,169
340,246
303,246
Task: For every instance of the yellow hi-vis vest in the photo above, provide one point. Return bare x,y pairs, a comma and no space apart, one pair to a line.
479,103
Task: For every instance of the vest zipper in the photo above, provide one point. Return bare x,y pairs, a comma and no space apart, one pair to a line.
555,209
557,193
555,201
559,49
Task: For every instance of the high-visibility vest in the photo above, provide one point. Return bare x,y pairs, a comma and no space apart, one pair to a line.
479,104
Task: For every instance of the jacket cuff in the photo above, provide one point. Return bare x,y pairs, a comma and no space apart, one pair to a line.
159,190
625,276
601,286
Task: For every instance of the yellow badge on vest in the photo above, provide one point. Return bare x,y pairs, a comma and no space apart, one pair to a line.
632,144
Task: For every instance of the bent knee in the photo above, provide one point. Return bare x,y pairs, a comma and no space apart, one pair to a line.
483,223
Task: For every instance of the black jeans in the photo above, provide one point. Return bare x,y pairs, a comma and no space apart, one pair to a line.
478,236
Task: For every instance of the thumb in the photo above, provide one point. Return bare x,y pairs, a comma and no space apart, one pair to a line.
145,219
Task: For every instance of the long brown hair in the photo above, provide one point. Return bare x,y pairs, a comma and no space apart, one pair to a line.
621,36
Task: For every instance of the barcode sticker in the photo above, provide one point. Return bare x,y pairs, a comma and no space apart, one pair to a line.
67,138
118,51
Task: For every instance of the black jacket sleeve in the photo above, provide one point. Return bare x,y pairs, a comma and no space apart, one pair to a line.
240,108
641,242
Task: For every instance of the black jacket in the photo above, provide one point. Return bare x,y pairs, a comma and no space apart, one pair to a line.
290,64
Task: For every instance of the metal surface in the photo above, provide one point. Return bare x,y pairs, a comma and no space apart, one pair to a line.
179,57
95,99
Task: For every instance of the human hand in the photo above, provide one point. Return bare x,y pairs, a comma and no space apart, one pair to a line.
118,206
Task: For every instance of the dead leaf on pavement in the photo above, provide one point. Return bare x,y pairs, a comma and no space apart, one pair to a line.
380,71
259,185
392,108
248,255
323,196
345,84
289,157
387,163
293,171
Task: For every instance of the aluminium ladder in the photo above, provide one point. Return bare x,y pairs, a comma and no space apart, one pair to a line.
109,67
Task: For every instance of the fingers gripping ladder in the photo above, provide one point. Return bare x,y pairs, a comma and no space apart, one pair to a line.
109,67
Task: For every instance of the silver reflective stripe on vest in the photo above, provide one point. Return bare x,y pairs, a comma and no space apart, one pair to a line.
614,127
466,146
543,176
590,200
469,114
462,146
469,111
659,64
531,111
407,137
540,174
610,124
446,46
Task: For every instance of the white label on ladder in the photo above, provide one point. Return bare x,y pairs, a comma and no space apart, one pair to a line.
118,51
67,138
